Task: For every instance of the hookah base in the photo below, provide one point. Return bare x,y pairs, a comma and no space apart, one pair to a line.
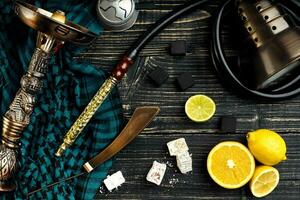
7,186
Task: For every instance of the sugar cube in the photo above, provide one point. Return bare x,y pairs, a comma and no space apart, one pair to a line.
177,146
184,162
156,173
114,181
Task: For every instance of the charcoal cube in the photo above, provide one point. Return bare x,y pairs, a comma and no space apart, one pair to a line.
158,76
185,81
178,48
228,124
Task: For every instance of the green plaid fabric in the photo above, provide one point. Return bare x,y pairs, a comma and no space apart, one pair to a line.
68,88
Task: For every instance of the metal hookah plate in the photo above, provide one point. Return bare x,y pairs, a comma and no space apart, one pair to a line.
117,15
41,20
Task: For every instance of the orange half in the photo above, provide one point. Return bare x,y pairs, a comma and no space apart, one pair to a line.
230,164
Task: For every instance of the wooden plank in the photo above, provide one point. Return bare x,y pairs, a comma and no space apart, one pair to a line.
171,123
136,159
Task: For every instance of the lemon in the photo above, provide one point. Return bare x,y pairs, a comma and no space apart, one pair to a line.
264,181
200,108
230,164
267,147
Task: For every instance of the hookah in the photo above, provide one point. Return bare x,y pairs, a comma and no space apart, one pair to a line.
53,30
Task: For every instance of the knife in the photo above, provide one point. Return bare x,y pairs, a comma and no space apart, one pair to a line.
141,117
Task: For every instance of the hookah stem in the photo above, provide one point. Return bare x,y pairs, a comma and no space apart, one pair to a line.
55,183
17,117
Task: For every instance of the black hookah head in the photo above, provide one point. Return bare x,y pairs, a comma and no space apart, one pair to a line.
276,40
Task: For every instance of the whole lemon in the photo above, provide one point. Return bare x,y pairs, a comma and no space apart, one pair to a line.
267,146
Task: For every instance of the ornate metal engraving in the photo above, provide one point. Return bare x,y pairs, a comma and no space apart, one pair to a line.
39,63
21,107
8,166
7,162
31,83
17,117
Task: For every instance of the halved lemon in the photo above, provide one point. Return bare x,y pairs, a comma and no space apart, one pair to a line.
264,181
230,164
200,108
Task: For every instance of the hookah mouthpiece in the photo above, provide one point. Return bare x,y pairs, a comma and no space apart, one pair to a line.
117,74
86,115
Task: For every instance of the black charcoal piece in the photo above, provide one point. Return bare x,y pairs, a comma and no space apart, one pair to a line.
178,48
158,76
185,81
228,124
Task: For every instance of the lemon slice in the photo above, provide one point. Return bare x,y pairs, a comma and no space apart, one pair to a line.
200,108
264,181
230,164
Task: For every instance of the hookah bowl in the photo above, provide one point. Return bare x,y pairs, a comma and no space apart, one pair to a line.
53,30
276,38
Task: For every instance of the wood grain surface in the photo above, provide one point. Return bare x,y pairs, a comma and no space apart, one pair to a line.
136,159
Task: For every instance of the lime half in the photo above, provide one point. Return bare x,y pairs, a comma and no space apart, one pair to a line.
200,108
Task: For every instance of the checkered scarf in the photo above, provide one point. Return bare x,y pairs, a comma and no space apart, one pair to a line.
68,88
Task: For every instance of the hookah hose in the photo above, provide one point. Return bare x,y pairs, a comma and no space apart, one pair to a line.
218,57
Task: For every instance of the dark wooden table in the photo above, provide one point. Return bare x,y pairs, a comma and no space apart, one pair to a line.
136,159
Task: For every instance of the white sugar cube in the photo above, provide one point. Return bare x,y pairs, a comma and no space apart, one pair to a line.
156,173
177,147
184,162
113,181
